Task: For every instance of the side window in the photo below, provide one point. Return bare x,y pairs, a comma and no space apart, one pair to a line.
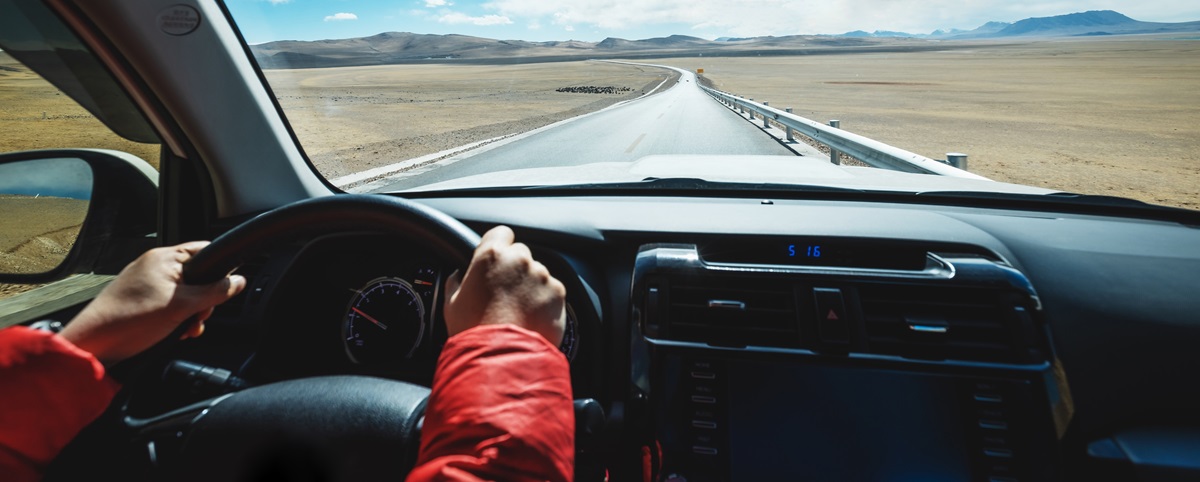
36,115
43,211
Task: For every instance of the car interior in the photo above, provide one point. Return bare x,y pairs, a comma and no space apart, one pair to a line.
720,333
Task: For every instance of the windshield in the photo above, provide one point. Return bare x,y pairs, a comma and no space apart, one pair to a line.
984,96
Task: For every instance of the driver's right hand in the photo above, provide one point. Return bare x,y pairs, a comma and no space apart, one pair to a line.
505,285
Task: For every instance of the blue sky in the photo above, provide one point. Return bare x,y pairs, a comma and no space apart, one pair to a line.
593,20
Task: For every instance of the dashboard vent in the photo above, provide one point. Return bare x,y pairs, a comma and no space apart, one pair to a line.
938,322
737,313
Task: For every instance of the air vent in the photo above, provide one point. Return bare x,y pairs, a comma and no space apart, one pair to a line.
734,313
939,323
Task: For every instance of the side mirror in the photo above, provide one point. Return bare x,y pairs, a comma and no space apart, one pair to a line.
68,211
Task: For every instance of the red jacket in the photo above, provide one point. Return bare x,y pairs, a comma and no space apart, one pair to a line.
500,408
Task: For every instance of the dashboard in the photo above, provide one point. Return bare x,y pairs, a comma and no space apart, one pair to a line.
736,339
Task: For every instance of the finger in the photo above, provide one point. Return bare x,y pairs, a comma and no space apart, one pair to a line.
498,236
520,249
192,247
222,290
194,331
233,284
556,286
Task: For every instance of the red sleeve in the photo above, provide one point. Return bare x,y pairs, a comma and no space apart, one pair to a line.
500,410
49,391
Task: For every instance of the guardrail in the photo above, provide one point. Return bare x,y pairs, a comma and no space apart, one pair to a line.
869,151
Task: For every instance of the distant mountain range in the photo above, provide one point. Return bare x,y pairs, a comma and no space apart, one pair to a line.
1096,22
403,47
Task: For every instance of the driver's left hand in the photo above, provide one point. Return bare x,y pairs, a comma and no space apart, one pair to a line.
146,301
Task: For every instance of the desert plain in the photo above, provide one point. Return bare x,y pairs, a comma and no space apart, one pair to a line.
350,119
1116,116
1109,115
1113,116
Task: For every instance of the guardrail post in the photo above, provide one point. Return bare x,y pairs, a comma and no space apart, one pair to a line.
957,159
789,129
765,124
751,111
835,156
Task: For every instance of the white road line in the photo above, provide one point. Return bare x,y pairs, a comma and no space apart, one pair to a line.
393,172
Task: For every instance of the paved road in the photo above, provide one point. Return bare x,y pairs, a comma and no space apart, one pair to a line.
680,120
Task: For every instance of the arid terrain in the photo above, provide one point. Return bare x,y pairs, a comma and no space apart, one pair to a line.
351,119
37,235
35,115
1113,116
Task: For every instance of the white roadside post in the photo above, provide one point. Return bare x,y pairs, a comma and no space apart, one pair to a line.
835,156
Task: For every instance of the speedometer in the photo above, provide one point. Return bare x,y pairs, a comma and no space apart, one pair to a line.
385,318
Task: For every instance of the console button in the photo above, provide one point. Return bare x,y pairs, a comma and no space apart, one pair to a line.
832,319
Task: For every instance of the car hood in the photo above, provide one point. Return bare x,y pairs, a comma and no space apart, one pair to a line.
781,170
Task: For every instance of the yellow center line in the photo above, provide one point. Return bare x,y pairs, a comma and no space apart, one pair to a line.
635,143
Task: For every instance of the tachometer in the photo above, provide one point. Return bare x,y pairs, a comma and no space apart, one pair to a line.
385,319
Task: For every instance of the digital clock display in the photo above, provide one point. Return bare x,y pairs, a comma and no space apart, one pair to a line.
809,251
846,253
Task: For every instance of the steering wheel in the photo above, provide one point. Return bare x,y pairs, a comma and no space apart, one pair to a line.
321,428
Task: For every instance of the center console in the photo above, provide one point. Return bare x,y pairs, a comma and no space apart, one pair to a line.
841,360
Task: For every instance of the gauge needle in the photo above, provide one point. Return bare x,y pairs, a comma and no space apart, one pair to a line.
422,282
368,317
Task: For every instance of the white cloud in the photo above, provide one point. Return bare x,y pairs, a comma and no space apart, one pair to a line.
340,16
787,17
277,2
437,3
456,18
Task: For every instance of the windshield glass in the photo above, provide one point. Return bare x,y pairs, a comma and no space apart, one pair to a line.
988,96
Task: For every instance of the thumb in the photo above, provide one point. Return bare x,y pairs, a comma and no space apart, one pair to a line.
222,290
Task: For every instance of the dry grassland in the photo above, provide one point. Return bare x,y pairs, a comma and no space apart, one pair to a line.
41,232
37,235
1116,116
35,115
351,119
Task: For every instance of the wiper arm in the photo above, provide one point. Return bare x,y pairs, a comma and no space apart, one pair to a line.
1087,203
691,183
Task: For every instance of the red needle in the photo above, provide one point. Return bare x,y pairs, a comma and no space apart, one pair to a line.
368,317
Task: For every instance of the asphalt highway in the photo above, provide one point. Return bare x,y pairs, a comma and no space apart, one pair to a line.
680,120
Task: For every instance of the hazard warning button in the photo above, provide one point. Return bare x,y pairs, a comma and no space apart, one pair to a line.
832,319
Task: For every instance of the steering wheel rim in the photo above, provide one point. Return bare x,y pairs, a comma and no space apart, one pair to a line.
407,219
443,235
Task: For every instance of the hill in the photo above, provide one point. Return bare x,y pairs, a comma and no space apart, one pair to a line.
404,47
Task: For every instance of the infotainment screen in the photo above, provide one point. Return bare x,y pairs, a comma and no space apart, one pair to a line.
804,422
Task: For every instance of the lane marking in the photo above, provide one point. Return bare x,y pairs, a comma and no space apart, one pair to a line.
635,144
392,173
